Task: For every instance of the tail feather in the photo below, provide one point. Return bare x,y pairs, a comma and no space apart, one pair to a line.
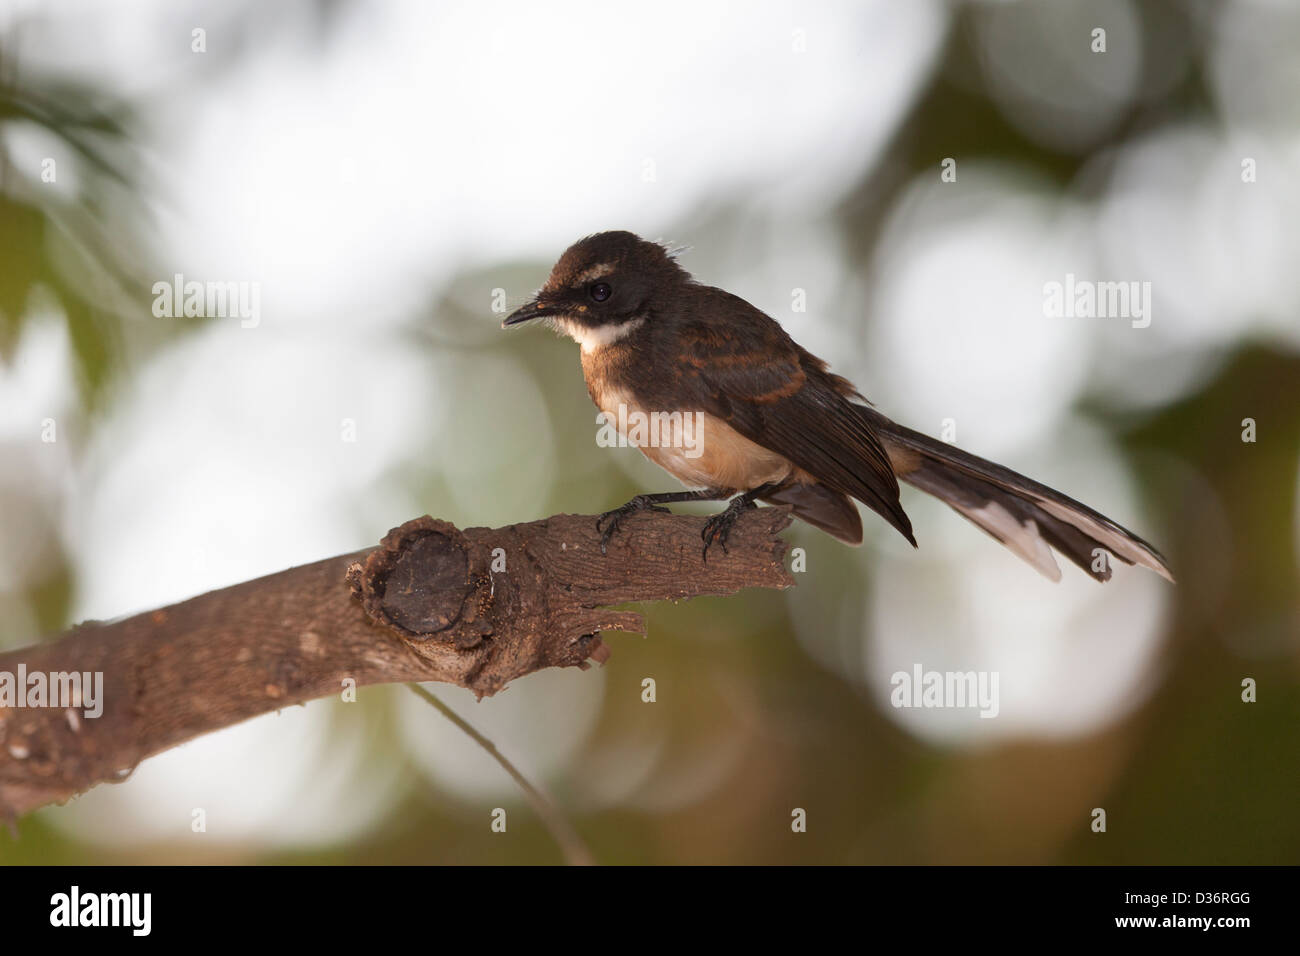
1023,514
822,507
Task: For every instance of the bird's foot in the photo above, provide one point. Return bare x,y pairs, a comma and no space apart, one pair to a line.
718,528
611,520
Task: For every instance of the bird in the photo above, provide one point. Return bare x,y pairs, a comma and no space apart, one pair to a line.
749,415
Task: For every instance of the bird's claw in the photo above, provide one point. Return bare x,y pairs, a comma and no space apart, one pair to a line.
718,528
615,518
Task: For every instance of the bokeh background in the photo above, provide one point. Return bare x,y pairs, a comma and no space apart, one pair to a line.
388,173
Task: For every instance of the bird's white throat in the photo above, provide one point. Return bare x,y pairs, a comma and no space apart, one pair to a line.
593,339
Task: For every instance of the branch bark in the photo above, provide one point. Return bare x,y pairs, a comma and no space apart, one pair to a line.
477,608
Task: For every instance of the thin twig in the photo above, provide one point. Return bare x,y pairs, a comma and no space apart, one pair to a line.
575,851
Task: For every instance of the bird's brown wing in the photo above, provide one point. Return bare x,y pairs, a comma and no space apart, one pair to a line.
740,366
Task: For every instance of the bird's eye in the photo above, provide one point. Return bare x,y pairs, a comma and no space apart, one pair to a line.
600,291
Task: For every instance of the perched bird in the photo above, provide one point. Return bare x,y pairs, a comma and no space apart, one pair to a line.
772,423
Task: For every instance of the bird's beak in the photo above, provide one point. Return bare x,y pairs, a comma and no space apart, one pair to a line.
533,310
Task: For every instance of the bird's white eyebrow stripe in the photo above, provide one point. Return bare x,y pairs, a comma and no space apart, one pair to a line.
598,271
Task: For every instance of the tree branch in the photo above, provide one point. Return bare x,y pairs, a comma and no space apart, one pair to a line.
477,608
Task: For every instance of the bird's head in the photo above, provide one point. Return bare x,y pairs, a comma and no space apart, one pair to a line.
603,288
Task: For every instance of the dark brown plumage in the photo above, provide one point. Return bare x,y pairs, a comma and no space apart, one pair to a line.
777,425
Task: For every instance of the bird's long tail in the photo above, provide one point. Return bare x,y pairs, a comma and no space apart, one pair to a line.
1024,515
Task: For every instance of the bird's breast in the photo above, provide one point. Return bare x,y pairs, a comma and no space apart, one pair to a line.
698,449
